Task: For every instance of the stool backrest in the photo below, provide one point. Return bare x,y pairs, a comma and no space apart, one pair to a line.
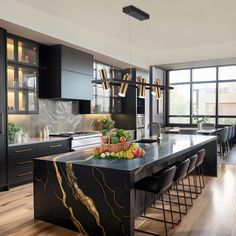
166,179
181,170
233,131
201,155
229,132
223,135
192,164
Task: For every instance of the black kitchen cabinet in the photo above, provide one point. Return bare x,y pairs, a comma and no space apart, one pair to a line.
65,73
3,111
22,75
20,159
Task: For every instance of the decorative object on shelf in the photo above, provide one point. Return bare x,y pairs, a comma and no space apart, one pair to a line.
107,123
124,85
14,133
200,120
104,77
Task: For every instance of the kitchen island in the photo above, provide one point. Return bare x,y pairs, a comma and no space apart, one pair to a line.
96,196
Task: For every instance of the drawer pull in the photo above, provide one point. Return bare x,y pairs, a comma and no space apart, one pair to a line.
24,162
55,146
28,173
23,150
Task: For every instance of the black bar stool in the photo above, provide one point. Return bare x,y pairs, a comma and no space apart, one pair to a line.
191,172
201,155
180,174
157,185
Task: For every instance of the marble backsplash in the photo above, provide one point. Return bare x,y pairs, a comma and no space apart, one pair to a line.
59,117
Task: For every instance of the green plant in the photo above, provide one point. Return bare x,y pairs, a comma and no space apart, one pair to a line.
201,119
107,123
12,130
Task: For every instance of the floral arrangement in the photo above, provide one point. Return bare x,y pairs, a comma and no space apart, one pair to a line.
199,120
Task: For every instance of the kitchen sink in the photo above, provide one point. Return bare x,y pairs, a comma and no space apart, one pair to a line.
146,141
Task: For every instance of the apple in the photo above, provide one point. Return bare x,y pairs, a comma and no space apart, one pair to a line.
137,152
122,139
142,152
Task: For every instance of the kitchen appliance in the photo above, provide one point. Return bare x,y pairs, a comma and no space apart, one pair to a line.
81,140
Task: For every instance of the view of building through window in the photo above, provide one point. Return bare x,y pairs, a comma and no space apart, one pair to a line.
202,92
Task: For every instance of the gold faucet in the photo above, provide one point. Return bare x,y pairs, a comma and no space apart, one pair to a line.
158,129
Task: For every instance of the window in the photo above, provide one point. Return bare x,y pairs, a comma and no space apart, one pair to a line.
204,99
204,74
180,100
203,92
179,76
227,99
227,73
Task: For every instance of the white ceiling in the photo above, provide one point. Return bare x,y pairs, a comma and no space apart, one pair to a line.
176,29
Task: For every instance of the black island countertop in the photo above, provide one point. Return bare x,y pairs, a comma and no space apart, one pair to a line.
170,146
97,197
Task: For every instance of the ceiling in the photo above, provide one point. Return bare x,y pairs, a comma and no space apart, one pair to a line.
176,29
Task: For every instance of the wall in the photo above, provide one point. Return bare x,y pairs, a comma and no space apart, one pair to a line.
58,115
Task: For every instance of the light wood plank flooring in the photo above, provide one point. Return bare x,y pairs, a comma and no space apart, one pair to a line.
213,213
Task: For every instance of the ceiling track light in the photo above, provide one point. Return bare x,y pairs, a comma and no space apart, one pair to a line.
124,86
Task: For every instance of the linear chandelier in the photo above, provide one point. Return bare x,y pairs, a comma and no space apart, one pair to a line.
139,83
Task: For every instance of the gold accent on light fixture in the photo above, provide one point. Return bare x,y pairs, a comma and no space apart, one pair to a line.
124,86
156,91
103,75
142,89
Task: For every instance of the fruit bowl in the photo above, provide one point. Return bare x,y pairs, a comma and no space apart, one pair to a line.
134,151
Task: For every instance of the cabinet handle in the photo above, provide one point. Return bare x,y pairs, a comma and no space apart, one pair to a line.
24,150
54,146
24,162
28,173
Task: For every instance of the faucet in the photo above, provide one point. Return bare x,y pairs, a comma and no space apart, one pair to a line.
158,129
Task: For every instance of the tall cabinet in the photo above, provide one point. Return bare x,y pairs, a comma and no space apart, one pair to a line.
3,111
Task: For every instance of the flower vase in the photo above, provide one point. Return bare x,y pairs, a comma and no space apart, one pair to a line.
199,126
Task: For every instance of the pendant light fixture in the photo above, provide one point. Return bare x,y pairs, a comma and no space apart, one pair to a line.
126,81
141,87
124,86
103,75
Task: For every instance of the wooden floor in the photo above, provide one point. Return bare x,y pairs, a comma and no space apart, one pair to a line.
213,213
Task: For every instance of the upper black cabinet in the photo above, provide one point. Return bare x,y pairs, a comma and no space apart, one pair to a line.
22,75
65,73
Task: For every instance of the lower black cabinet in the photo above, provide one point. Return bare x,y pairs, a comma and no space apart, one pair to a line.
20,159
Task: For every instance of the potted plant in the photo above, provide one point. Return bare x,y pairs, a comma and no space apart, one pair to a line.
13,130
200,120
107,123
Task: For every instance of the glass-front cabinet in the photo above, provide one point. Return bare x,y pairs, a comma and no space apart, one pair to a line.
105,101
22,76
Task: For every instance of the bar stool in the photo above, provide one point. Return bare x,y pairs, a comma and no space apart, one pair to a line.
222,139
201,155
192,171
180,174
157,185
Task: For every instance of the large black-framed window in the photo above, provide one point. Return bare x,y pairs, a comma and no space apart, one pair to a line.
205,91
